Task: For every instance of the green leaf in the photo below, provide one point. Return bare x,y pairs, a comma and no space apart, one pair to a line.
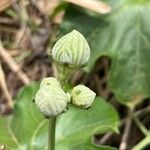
26,128
99,118
124,36
89,146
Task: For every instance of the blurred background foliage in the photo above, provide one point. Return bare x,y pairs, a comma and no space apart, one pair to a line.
119,36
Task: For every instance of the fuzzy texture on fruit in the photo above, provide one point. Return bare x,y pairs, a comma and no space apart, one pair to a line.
51,99
50,81
72,50
82,96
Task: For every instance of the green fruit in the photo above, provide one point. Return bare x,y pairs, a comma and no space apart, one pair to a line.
72,49
51,100
82,96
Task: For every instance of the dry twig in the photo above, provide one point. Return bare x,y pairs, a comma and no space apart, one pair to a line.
46,6
5,89
138,113
5,3
123,144
13,65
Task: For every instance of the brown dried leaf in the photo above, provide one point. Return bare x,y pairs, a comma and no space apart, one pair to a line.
93,5
5,4
46,6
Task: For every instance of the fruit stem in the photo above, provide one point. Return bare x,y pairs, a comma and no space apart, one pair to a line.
51,133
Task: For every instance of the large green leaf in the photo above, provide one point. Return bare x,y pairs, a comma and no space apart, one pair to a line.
26,128
124,36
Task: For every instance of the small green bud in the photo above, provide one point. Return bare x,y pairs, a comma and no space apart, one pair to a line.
50,81
82,96
72,50
51,100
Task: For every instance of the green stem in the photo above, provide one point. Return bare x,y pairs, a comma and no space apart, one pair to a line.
140,125
51,133
141,145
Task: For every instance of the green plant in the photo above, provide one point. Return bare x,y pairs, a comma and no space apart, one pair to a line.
69,53
72,116
26,128
123,36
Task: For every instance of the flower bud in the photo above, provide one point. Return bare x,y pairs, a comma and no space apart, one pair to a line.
82,96
72,49
51,101
50,81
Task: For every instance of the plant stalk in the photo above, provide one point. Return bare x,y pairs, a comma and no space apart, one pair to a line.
123,145
51,133
142,144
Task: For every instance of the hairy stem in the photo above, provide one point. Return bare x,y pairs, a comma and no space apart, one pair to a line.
51,133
